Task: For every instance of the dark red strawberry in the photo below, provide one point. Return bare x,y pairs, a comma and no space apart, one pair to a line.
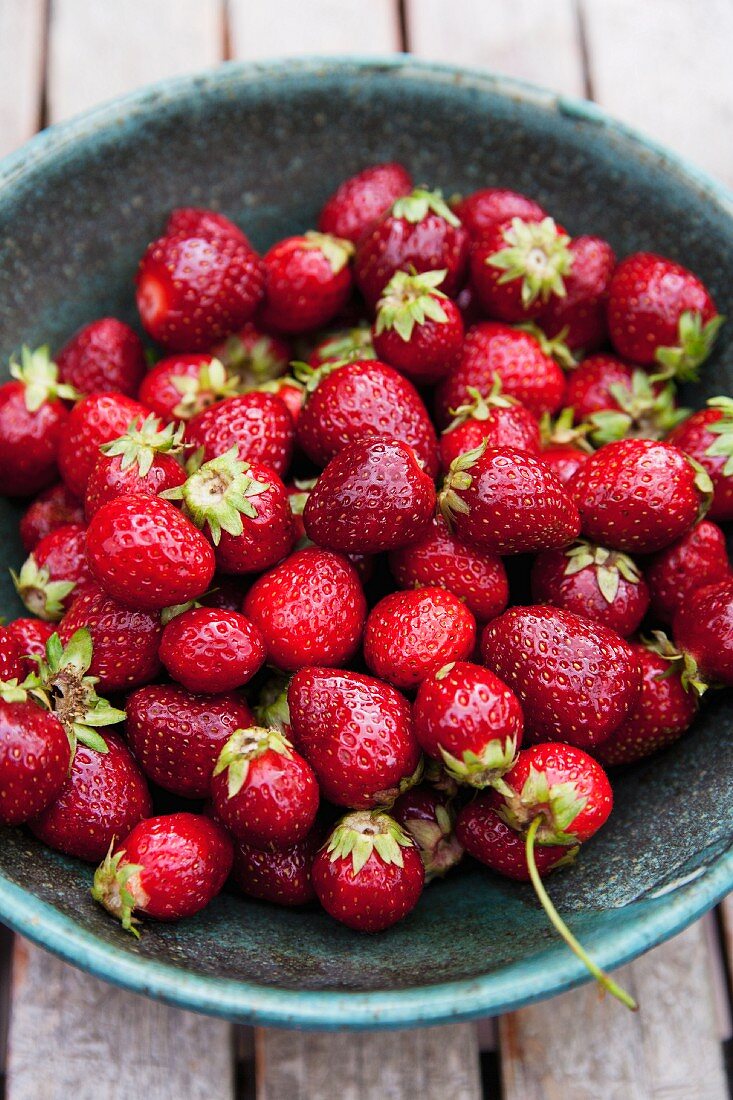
518,267
253,356
310,610
31,635
55,574
426,815
196,221
179,387
177,735
279,875
703,630
289,390
489,839
411,634
103,356
12,664
55,507
494,419
576,680
258,424
564,460
565,447
619,401
707,436
308,280
97,419
372,496
418,329
125,641
168,867
345,345
660,313
356,732
579,317
507,501
208,649
140,461
482,210
699,557
369,874
34,754
192,290
357,202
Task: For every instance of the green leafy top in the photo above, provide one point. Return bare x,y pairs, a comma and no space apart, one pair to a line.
695,342
480,406
212,383
219,493
409,300
272,710
722,447
681,664
43,597
557,803
349,344
337,251
117,887
457,480
360,834
554,346
563,431
645,411
251,364
244,746
538,254
140,445
609,566
40,376
415,207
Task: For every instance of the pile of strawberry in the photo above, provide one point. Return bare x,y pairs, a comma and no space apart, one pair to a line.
254,571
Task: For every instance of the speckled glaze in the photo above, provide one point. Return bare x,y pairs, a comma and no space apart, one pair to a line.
266,144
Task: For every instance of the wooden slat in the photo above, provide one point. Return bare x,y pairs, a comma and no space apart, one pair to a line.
276,28
74,1036
21,70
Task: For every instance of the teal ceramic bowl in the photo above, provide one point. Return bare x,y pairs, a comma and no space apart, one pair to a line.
266,144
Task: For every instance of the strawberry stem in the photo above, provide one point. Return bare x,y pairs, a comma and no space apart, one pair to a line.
603,979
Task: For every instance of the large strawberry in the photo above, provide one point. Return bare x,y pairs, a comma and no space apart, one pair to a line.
482,210
517,267
579,316
125,641
257,423
104,355
180,386
54,507
494,419
308,280
211,649
142,460
699,557
198,221
707,436
96,419
418,329
35,754
357,202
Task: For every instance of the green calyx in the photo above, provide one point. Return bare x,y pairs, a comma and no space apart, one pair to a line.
610,566
722,429
360,834
272,710
480,406
219,493
244,746
249,365
349,344
415,207
140,445
485,768
695,342
409,300
117,887
212,383
12,691
681,664
299,500
643,412
275,385
564,432
704,485
40,377
43,597
337,251
439,848
311,377
457,480
538,254
554,346
557,805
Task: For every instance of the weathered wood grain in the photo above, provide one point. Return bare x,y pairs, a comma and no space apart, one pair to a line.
21,70
273,28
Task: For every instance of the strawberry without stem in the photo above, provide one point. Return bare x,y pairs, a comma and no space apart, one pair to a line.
699,557
95,420
703,630
31,635
35,755
308,280
125,641
579,316
279,875
197,221
208,649
102,356
482,210
418,329
12,664
258,424
357,202
55,507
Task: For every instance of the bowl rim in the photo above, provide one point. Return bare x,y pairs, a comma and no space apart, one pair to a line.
515,984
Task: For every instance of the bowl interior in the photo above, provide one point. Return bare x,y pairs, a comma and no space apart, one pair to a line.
266,146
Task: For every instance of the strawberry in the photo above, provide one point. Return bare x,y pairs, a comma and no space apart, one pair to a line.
418,329
468,719
167,867
488,838
495,419
52,577
518,267
699,557
12,653
439,559
357,202
599,584
194,221
482,210
526,371
707,436
279,875
369,873
103,356
427,817
356,733
344,346
419,232
54,507
579,317
146,554
288,390
620,401
366,397
97,419
192,290
703,631
179,387
258,424
253,356
35,754
638,495
372,496
139,461
660,314
33,420
308,280
310,610
564,460
565,447
211,650
263,791
508,501
177,735
576,680
411,634
31,635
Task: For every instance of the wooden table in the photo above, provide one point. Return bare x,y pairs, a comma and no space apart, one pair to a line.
663,65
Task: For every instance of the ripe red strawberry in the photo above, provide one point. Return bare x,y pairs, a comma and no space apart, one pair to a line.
104,795
372,496
703,630
707,436
310,610
263,791
564,460
356,733
599,584
179,387
489,839
699,557
579,317
257,423
195,221
55,507
308,280
468,719
418,329
97,419
177,735
168,867
34,755
125,641
660,313
518,266
344,346
369,874
639,495
192,290
366,397
482,210
426,815
525,370
576,680
103,356
139,461
33,420
439,559
208,649
31,636
253,356
279,875
55,574
621,401
418,232
12,664
507,501
357,202
288,390
494,419
411,634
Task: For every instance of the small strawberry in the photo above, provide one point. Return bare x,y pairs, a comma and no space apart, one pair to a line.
35,754
211,650
497,420
55,507
97,419
707,436
599,584
167,867
310,610
482,210
699,557
195,221
426,815
356,733
308,280
253,356
369,873
579,317
703,630
177,735
418,329
139,461
344,346
619,401
103,356
507,501
660,313
518,267
372,496
357,202
576,680
411,634
418,232
31,636
12,653
257,423
279,875
179,387
55,574
488,838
